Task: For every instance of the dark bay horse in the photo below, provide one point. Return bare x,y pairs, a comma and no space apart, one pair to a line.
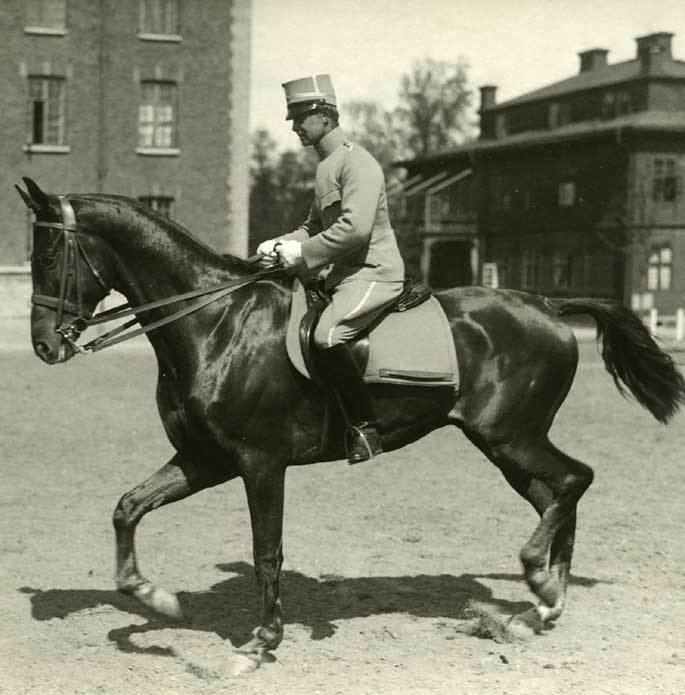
234,407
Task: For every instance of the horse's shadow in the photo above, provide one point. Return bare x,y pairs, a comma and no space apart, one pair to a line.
228,608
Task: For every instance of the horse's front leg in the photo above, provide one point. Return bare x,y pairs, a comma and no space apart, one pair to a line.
265,499
175,480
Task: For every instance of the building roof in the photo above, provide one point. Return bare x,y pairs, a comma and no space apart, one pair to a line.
642,121
599,77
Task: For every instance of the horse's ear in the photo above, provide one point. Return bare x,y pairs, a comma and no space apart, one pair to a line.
30,203
35,193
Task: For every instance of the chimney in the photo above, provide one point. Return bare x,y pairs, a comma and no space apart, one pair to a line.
593,59
488,97
654,49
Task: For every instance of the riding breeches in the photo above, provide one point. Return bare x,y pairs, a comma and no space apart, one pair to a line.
355,304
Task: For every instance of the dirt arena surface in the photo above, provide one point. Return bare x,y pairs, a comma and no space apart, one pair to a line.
398,574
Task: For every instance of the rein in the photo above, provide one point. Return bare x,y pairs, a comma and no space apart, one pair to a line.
70,280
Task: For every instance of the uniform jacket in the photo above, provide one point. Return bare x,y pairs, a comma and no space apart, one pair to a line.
348,224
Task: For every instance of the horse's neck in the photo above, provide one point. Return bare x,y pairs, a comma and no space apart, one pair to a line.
155,261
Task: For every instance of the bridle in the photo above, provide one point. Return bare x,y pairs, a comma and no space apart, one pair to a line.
70,281
70,277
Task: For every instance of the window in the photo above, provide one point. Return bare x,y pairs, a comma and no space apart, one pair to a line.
659,271
553,115
567,194
46,112
159,17
666,183
159,203
530,269
157,116
48,16
562,270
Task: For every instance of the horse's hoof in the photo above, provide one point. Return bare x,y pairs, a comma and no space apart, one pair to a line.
524,626
549,614
244,663
159,600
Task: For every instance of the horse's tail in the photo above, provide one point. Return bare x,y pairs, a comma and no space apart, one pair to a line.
632,357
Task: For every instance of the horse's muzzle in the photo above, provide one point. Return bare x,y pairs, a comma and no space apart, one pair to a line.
49,345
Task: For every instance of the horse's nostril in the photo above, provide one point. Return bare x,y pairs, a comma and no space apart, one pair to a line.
42,349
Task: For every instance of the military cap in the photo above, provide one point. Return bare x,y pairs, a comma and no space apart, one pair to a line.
307,94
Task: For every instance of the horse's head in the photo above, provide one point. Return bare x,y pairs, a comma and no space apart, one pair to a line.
69,274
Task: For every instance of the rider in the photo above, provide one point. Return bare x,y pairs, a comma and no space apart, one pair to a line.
348,232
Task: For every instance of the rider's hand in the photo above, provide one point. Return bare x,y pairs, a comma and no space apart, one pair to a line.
290,252
268,252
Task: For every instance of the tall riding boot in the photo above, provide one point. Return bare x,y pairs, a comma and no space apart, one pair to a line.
340,371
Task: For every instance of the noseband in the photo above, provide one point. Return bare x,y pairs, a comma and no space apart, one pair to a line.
70,280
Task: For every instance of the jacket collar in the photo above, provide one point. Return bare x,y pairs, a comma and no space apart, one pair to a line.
329,142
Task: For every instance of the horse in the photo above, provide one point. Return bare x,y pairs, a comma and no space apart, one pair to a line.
233,406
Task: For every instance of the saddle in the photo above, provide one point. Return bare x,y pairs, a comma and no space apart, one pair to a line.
410,343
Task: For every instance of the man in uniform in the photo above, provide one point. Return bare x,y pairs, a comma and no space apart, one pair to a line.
348,230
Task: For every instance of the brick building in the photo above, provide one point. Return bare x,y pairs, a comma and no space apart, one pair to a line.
572,189
143,98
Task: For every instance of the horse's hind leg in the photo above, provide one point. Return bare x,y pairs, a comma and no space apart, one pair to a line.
173,481
540,496
553,483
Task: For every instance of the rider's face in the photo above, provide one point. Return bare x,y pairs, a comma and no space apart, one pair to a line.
310,127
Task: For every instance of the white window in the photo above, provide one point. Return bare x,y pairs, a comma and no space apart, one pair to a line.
46,111
490,275
567,194
159,17
45,15
157,127
659,270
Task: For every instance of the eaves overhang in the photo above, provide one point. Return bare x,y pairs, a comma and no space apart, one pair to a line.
642,123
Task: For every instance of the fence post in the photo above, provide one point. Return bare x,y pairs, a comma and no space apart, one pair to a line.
679,325
653,320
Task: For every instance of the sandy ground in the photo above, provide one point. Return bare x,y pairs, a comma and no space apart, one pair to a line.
396,575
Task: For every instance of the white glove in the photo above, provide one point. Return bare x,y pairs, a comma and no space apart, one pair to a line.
266,248
268,252
289,251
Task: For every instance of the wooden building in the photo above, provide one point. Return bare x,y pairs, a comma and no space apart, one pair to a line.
573,189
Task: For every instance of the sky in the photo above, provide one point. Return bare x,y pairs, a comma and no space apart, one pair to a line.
367,45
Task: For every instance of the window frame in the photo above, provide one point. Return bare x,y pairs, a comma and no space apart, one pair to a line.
666,183
157,123
44,144
660,267
531,266
566,194
562,270
40,27
147,31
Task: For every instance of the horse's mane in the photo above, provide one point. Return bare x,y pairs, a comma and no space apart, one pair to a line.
170,227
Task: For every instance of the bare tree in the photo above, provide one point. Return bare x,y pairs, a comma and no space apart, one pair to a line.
434,102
